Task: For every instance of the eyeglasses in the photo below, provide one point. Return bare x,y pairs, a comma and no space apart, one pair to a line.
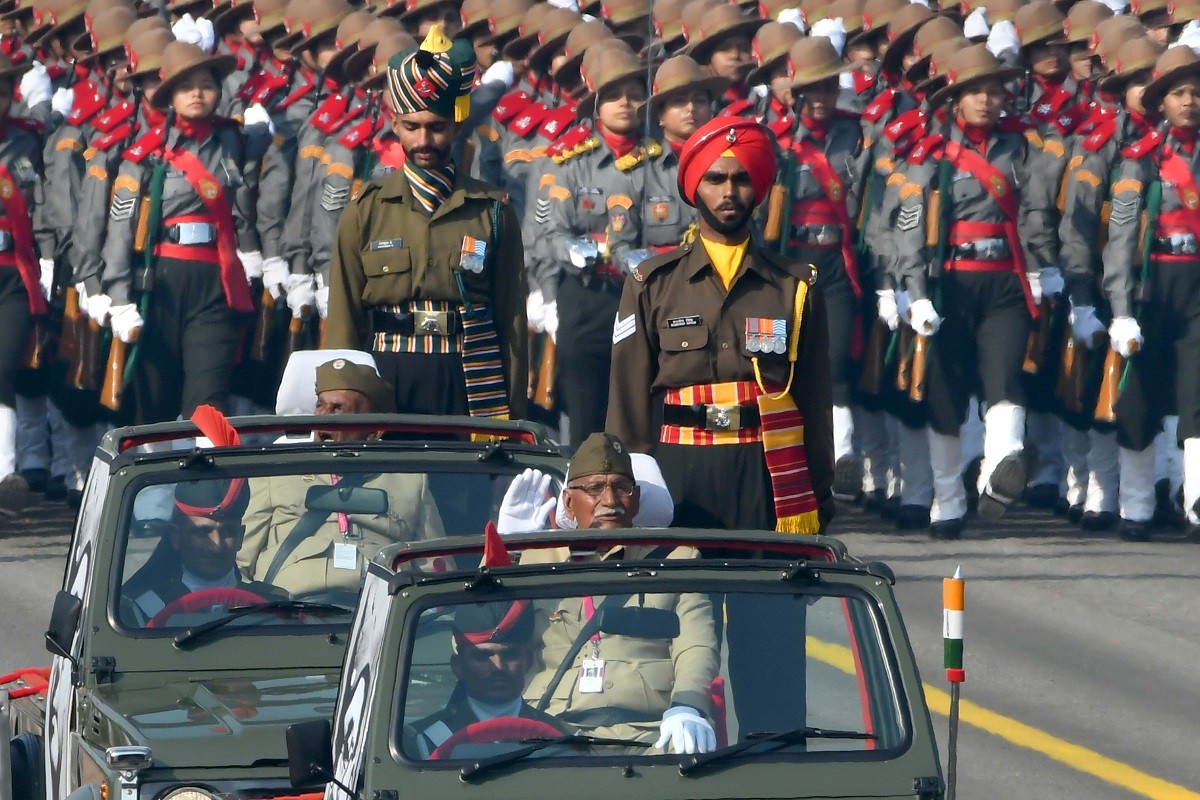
622,489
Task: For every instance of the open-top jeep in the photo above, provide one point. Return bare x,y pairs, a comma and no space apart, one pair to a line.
185,644
557,675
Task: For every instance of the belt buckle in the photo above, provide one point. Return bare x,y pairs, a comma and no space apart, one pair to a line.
722,418
827,234
193,233
6,241
431,323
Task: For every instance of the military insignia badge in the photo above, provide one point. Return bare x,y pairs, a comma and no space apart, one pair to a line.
209,190
6,188
835,191
660,211
474,251
617,220
1191,199
998,185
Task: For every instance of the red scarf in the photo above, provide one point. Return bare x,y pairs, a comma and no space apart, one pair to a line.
817,129
676,147
1186,138
197,130
1140,123
620,145
974,135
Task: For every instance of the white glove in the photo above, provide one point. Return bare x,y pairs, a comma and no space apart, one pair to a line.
96,307
846,81
36,86
1126,336
525,507
686,731
583,252
903,302
185,30
126,322
833,30
1035,286
301,294
1118,7
1051,279
255,114
550,323
924,319
1084,325
322,298
888,311
252,264
62,101
975,26
500,72
1190,36
1003,39
569,5
632,258
208,35
793,16
535,311
275,276
47,276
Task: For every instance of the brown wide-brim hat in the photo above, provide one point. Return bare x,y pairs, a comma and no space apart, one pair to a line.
1040,22
325,18
194,7
933,72
53,17
771,45
582,36
381,53
620,13
681,74
616,64
144,52
356,62
228,15
556,27
1172,66
1082,20
181,59
813,60
969,68
1181,12
1003,10
850,12
900,34
269,15
505,17
720,23
1112,34
877,15
1135,59
408,11
519,47
106,34
473,14
349,31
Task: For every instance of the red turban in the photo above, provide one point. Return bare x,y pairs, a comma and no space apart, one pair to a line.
749,141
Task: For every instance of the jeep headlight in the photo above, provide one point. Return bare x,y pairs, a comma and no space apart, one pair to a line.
188,793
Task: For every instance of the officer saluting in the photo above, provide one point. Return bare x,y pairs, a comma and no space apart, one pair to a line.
427,267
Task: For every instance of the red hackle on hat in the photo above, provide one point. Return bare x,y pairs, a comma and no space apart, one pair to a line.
215,427
494,552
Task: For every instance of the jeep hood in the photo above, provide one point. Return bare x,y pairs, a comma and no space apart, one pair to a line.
219,721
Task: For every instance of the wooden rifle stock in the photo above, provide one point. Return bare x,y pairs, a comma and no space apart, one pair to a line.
87,365
68,340
531,377
1035,348
263,326
773,228
114,373
544,396
871,379
1110,385
916,391
1072,368
904,367
295,334
35,349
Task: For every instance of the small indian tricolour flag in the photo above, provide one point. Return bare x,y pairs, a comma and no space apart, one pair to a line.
953,592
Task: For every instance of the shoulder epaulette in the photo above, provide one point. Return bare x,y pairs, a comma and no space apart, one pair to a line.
863,81
367,188
555,122
87,102
1015,123
782,126
267,88
1069,119
737,108
510,105
251,85
1098,135
329,112
882,104
643,270
527,121
1143,146
798,269
569,139
925,148
357,134
116,135
586,146
902,126
146,144
114,116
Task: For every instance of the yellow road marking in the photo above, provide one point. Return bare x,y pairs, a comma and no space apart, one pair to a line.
1018,733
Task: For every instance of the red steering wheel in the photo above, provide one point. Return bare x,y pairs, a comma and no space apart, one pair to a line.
497,729
205,598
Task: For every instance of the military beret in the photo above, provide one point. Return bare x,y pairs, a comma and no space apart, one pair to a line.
600,454
503,623
344,374
226,497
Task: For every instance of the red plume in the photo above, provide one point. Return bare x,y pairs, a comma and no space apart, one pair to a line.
494,552
212,424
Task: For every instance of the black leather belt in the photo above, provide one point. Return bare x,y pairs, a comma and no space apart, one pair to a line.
1177,244
712,417
416,323
983,250
191,233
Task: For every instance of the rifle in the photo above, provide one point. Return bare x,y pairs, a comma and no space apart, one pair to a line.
35,346
295,334
1110,385
68,340
114,372
904,368
264,326
83,375
921,345
544,395
1039,339
871,379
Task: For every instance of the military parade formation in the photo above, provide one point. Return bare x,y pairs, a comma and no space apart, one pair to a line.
928,261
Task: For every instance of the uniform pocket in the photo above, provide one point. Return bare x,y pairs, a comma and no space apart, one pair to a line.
662,212
389,275
683,340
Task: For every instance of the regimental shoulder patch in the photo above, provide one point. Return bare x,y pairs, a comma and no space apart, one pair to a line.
1100,135
880,105
528,120
510,105
624,328
909,216
555,122
925,148
1143,146
334,198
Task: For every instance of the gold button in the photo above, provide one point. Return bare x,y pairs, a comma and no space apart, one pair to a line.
684,344
386,267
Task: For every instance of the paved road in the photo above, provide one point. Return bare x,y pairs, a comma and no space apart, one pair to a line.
1090,642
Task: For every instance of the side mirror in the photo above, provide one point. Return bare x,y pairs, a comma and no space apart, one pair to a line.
346,499
310,753
640,622
64,619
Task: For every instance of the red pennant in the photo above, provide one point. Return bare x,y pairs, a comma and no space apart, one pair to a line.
494,552
213,424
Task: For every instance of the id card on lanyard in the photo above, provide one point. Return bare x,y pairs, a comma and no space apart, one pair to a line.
591,672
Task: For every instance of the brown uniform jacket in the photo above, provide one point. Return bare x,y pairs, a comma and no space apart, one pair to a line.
688,330
388,252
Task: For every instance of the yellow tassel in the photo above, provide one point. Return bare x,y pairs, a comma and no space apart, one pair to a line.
462,108
800,523
436,41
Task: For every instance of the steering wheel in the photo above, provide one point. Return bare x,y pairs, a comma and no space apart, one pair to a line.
205,598
497,729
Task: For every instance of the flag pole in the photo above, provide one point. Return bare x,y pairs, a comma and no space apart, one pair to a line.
953,594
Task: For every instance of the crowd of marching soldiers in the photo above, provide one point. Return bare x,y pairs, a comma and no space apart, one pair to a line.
999,198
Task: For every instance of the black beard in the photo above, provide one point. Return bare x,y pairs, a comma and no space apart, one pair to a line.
729,228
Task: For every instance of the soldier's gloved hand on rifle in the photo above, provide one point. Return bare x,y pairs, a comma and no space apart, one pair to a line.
301,294
36,86
1126,336
630,259
686,731
793,16
95,306
832,29
903,303
1084,324
126,322
535,312
322,296
525,507
187,29
583,252
975,26
1051,279
924,318
255,114
252,264
275,276
887,308
1003,42
500,72
62,101
46,278
550,324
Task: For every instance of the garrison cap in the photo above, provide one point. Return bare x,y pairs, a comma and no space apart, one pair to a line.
342,373
601,454
502,623
213,497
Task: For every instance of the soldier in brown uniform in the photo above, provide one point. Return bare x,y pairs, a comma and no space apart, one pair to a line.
426,269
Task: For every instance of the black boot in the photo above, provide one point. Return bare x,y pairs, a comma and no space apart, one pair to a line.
946,529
